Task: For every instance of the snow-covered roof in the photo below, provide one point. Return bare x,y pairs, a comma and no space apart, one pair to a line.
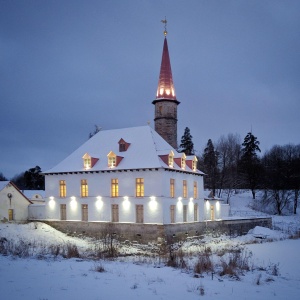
3,184
144,151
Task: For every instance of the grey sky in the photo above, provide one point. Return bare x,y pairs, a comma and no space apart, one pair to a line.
68,65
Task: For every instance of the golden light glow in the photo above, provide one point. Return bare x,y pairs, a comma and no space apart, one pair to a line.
194,163
171,159
168,92
172,187
183,158
185,191
112,159
139,187
161,91
173,93
84,189
114,187
87,162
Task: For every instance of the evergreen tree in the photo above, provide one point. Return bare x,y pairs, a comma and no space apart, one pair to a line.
2,177
33,179
210,164
187,145
250,166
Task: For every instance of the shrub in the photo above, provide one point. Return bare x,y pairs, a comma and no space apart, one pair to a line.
72,251
204,264
98,267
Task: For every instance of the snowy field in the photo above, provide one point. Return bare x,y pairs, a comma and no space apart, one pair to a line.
274,267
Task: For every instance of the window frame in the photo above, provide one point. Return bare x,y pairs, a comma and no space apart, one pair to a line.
184,189
62,189
114,187
139,187
84,188
195,190
172,187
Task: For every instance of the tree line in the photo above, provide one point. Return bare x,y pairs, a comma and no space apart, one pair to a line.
231,164
28,180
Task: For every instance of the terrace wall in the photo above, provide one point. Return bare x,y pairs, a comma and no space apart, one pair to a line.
156,233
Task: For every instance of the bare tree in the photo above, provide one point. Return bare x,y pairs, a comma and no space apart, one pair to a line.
229,151
281,165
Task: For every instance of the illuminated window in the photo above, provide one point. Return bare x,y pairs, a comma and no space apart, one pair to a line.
184,189
88,161
112,159
84,188
139,187
171,159
172,188
194,164
114,187
183,161
195,190
62,189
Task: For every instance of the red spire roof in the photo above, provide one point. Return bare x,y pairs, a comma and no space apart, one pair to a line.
165,88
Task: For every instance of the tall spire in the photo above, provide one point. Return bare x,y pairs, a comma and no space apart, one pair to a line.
165,87
165,115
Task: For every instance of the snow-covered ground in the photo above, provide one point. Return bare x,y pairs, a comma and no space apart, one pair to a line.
274,267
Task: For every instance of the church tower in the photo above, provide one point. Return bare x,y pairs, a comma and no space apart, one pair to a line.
165,120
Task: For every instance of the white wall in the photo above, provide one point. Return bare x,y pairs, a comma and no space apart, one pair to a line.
36,211
18,203
156,184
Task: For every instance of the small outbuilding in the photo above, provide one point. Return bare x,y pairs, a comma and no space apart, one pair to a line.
13,203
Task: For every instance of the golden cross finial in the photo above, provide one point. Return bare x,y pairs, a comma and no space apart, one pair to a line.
165,22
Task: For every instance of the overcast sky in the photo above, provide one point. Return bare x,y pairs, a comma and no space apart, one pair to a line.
68,65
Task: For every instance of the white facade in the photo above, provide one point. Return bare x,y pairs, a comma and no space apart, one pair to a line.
172,189
13,204
156,200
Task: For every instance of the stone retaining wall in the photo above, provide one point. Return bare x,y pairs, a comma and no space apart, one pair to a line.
144,233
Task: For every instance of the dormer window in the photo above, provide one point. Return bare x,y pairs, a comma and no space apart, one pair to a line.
87,161
171,159
194,163
112,159
123,146
183,157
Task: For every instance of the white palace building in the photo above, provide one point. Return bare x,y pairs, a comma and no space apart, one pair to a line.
133,175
